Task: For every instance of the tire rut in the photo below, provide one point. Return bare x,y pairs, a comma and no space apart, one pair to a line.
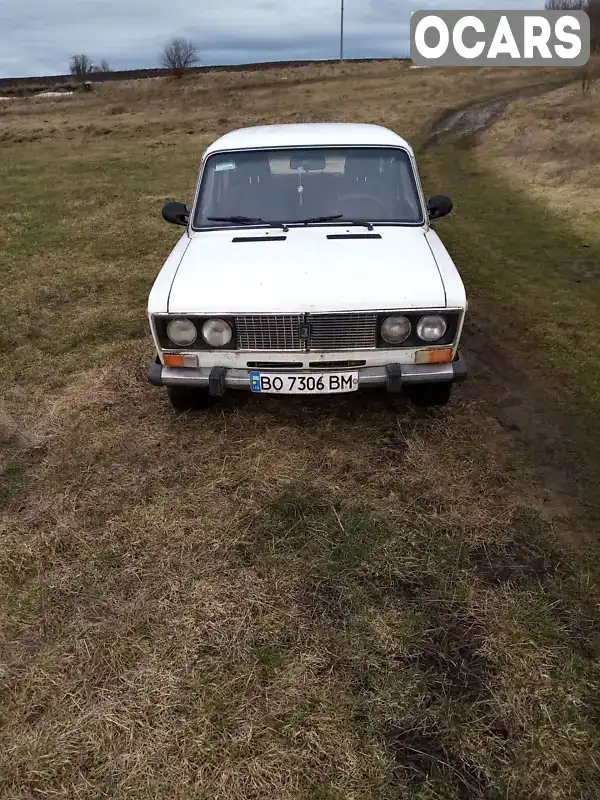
475,117
566,447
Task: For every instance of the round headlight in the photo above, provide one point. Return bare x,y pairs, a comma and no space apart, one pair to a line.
395,329
431,328
182,332
217,332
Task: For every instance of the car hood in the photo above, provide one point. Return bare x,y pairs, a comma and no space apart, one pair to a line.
302,270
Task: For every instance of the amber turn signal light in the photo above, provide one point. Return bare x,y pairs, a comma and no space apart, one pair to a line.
177,360
437,355
173,360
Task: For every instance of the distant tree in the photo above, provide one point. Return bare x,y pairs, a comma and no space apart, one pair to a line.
101,67
592,7
81,65
179,54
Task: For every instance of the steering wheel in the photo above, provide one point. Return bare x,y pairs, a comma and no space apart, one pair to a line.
368,197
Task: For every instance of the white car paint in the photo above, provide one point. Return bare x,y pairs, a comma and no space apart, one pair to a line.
158,301
312,134
455,291
307,273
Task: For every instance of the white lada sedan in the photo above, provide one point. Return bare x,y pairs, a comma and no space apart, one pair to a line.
307,266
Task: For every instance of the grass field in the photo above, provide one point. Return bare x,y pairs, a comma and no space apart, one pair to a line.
338,599
554,153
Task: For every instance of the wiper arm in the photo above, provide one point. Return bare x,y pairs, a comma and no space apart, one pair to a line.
328,218
331,218
241,219
364,222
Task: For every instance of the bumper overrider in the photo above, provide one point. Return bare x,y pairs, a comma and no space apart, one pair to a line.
394,377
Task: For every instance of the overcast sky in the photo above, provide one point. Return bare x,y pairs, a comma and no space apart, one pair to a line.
37,37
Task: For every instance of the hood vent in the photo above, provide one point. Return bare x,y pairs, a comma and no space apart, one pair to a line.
259,238
354,236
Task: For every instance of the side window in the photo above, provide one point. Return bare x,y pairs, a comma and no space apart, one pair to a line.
206,193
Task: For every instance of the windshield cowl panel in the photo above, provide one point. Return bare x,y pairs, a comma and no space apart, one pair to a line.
306,186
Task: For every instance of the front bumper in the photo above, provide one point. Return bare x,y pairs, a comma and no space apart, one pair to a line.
391,376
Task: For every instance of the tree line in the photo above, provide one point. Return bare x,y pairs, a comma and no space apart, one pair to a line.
178,55
591,7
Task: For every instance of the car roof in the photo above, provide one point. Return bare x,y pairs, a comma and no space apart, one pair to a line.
309,134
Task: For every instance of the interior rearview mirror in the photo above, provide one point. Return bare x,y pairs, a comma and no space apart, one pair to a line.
308,162
176,213
438,206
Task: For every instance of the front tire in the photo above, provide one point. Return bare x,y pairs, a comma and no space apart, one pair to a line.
183,398
429,395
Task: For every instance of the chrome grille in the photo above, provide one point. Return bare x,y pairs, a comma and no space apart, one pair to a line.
262,332
353,331
342,331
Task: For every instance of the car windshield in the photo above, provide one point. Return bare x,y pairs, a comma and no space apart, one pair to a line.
349,184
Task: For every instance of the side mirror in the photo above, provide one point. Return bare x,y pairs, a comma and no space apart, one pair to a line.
176,213
438,206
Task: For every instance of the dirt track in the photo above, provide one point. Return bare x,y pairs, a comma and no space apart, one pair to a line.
471,118
566,451
566,447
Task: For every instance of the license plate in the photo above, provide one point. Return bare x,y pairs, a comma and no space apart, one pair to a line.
315,383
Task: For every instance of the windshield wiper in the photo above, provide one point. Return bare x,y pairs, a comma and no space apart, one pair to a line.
241,219
331,218
237,219
328,218
364,222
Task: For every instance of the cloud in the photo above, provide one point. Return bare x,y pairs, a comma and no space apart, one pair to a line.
38,38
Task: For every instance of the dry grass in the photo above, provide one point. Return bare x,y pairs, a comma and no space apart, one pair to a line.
242,605
330,599
550,147
203,107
